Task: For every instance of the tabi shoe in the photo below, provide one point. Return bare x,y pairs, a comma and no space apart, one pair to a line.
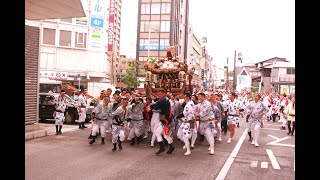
139,139
212,151
90,136
187,153
119,145
133,141
114,147
170,149
93,140
161,150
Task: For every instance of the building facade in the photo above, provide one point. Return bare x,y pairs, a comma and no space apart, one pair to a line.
275,75
77,48
36,11
113,21
158,27
194,56
121,68
283,78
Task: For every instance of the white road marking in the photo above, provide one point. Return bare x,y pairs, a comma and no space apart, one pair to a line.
273,136
273,159
272,124
264,165
294,162
223,172
271,129
254,164
275,143
279,144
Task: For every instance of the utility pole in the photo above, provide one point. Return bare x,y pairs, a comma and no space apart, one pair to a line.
234,71
227,81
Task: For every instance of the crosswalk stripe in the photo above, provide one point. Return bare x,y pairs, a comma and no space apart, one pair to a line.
264,165
254,164
273,159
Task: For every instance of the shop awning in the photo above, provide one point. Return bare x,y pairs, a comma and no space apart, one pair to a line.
53,9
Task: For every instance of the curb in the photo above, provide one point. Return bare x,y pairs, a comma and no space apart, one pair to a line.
35,134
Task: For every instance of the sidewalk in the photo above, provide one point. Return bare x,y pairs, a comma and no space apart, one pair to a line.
38,130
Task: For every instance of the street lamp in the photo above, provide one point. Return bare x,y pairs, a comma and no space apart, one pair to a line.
234,68
149,39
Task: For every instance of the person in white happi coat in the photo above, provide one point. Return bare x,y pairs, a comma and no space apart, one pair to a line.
267,102
101,115
94,102
256,110
155,120
233,107
82,105
60,109
118,129
247,118
283,118
136,126
241,109
204,112
218,112
188,127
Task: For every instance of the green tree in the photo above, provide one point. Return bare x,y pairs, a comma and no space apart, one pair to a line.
130,79
152,60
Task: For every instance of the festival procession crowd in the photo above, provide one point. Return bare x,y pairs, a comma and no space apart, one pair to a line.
127,116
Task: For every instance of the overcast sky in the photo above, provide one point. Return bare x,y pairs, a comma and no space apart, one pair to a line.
260,29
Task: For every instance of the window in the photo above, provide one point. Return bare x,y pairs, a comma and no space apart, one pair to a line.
145,8
165,26
81,40
154,26
49,36
255,73
47,60
65,38
155,8
144,26
290,70
143,58
165,8
164,44
68,20
144,44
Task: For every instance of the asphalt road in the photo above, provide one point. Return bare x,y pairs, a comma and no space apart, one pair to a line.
69,156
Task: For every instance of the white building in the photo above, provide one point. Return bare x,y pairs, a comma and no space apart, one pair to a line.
36,10
194,55
78,47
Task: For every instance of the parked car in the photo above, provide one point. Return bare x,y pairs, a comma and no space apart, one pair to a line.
46,108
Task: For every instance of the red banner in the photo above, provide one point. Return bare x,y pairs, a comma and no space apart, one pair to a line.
111,26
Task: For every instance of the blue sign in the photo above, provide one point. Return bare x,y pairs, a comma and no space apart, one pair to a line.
153,47
202,73
97,22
